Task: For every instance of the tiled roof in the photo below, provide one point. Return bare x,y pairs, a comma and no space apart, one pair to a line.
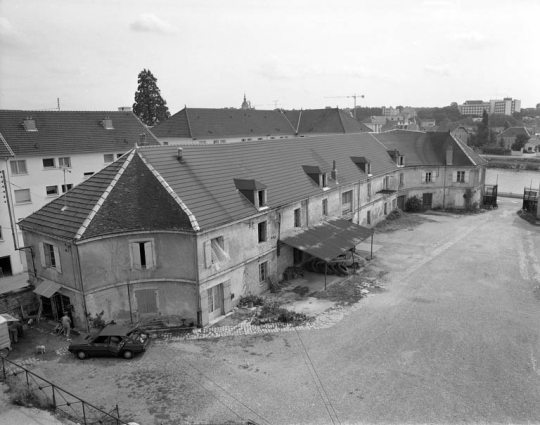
427,149
205,123
137,201
514,131
157,191
322,121
69,132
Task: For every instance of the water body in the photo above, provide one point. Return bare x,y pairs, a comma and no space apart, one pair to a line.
511,181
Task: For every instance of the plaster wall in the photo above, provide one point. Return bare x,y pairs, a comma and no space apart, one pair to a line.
108,261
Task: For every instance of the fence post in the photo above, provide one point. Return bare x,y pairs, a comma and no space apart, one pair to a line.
117,415
53,396
83,413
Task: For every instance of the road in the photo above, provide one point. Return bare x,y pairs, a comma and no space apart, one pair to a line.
453,339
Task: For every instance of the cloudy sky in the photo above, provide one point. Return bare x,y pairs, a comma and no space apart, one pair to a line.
289,53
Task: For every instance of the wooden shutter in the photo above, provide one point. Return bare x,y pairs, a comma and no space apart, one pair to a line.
434,176
227,304
57,259
146,301
204,307
466,176
454,176
423,177
207,254
42,255
135,255
149,255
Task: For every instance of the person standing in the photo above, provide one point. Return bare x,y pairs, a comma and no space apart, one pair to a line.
66,324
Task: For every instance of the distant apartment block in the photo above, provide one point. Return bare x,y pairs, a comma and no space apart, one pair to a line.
506,106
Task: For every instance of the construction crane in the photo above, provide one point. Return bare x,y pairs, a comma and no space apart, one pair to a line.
266,104
354,96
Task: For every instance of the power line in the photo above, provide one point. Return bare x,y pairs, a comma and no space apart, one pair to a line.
221,388
318,383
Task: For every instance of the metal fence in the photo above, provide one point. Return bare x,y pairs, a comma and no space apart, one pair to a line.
50,396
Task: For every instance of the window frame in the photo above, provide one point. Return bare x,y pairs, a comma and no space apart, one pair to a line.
460,176
63,159
50,192
142,254
65,187
50,256
105,155
297,217
348,193
262,231
28,201
325,207
263,272
49,167
16,162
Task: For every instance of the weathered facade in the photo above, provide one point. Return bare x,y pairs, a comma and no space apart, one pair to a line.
182,233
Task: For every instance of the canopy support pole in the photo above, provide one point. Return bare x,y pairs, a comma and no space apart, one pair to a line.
372,233
325,273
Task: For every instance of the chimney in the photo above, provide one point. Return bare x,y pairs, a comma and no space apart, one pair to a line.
449,155
142,139
179,154
334,172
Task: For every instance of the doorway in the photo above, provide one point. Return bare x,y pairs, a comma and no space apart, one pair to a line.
401,202
427,200
215,301
5,267
54,307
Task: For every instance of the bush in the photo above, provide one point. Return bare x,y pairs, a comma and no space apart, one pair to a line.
394,214
414,204
96,322
250,300
21,395
495,150
272,312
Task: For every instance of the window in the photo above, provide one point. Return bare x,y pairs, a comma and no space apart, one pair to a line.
297,218
66,187
142,254
216,142
262,231
263,272
216,252
385,208
324,179
401,179
108,158
460,178
48,163
368,218
1,236
89,174
427,177
119,155
64,162
261,198
214,298
22,196
369,190
401,161
50,256
18,167
52,190
325,207
346,202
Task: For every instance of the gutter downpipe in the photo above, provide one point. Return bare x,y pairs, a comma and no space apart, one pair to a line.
82,287
197,282
444,189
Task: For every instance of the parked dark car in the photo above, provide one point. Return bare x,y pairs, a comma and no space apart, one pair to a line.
112,340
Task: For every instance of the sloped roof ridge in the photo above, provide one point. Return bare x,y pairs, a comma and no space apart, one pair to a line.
339,112
6,144
458,142
188,123
54,111
103,197
174,195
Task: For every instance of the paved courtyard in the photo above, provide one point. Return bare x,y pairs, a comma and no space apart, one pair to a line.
454,338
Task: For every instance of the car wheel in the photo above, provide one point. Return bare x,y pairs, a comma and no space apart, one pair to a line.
4,352
127,354
81,355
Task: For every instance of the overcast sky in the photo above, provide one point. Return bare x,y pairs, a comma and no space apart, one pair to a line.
293,54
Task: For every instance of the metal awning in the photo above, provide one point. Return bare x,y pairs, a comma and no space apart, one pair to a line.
330,239
47,288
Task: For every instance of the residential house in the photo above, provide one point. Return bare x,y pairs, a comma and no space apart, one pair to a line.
439,168
508,137
45,153
375,122
427,124
532,146
205,126
181,233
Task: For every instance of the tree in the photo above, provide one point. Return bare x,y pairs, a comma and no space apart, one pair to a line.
485,119
521,139
149,106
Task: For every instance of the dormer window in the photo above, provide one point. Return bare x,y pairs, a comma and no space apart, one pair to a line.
397,157
363,163
29,124
254,191
107,124
317,174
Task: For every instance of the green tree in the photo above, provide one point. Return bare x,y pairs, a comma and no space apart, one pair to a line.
149,106
485,119
521,139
